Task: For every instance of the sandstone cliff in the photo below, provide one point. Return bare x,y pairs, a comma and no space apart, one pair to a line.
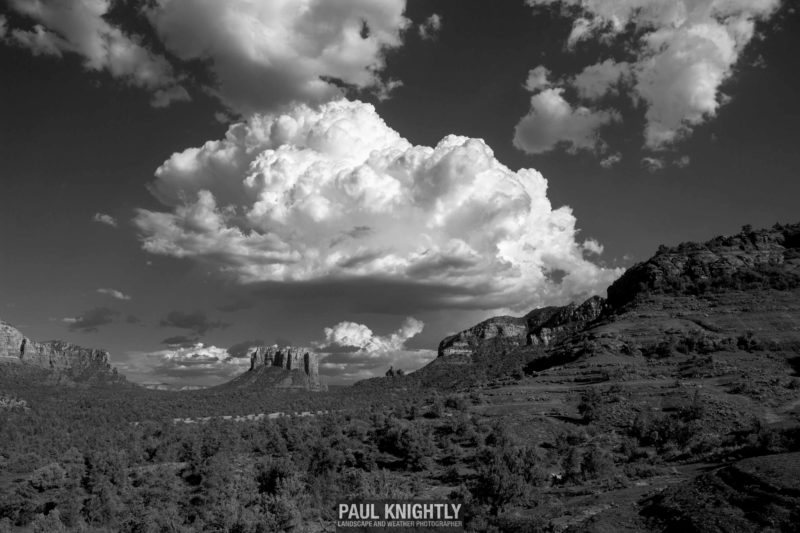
287,367
540,327
60,356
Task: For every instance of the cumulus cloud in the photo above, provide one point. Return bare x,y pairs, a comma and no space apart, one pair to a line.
352,351
196,321
332,194
537,79
103,218
653,164
611,161
253,56
92,319
430,28
684,51
552,121
197,365
80,27
595,81
266,55
119,295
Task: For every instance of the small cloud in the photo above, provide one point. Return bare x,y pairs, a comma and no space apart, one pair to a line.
611,161
92,319
429,29
552,122
102,218
119,295
653,164
591,246
196,321
81,29
537,79
683,161
384,90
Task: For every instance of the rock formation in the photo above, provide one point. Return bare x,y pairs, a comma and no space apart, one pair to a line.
762,259
286,367
539,327
51,355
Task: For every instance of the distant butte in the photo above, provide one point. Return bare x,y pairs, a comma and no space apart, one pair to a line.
289,367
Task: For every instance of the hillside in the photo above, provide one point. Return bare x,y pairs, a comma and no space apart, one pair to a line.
692,359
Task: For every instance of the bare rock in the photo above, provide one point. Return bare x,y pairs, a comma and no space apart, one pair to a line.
281,367
51,355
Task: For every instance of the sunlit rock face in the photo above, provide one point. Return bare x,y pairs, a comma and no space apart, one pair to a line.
542,326
52,355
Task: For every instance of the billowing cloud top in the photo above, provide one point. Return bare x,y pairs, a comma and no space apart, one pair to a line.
333,193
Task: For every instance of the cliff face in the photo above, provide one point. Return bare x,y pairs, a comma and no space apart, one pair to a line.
52,355
286,367
540,327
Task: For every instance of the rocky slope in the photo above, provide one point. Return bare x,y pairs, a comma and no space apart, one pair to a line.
287,367
691,364
62,357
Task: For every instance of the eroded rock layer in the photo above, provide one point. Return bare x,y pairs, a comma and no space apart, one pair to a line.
52,355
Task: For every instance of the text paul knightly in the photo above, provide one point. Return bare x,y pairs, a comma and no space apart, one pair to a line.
399,516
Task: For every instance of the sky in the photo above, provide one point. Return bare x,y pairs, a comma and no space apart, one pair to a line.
184,179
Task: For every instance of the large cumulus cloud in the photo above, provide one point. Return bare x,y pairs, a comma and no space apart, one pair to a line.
683,51
332,193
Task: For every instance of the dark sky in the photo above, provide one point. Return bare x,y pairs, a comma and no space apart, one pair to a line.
78,141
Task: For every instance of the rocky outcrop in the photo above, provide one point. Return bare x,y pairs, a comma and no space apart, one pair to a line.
761,259
543,326
559,322
60,356
281,367
464,343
